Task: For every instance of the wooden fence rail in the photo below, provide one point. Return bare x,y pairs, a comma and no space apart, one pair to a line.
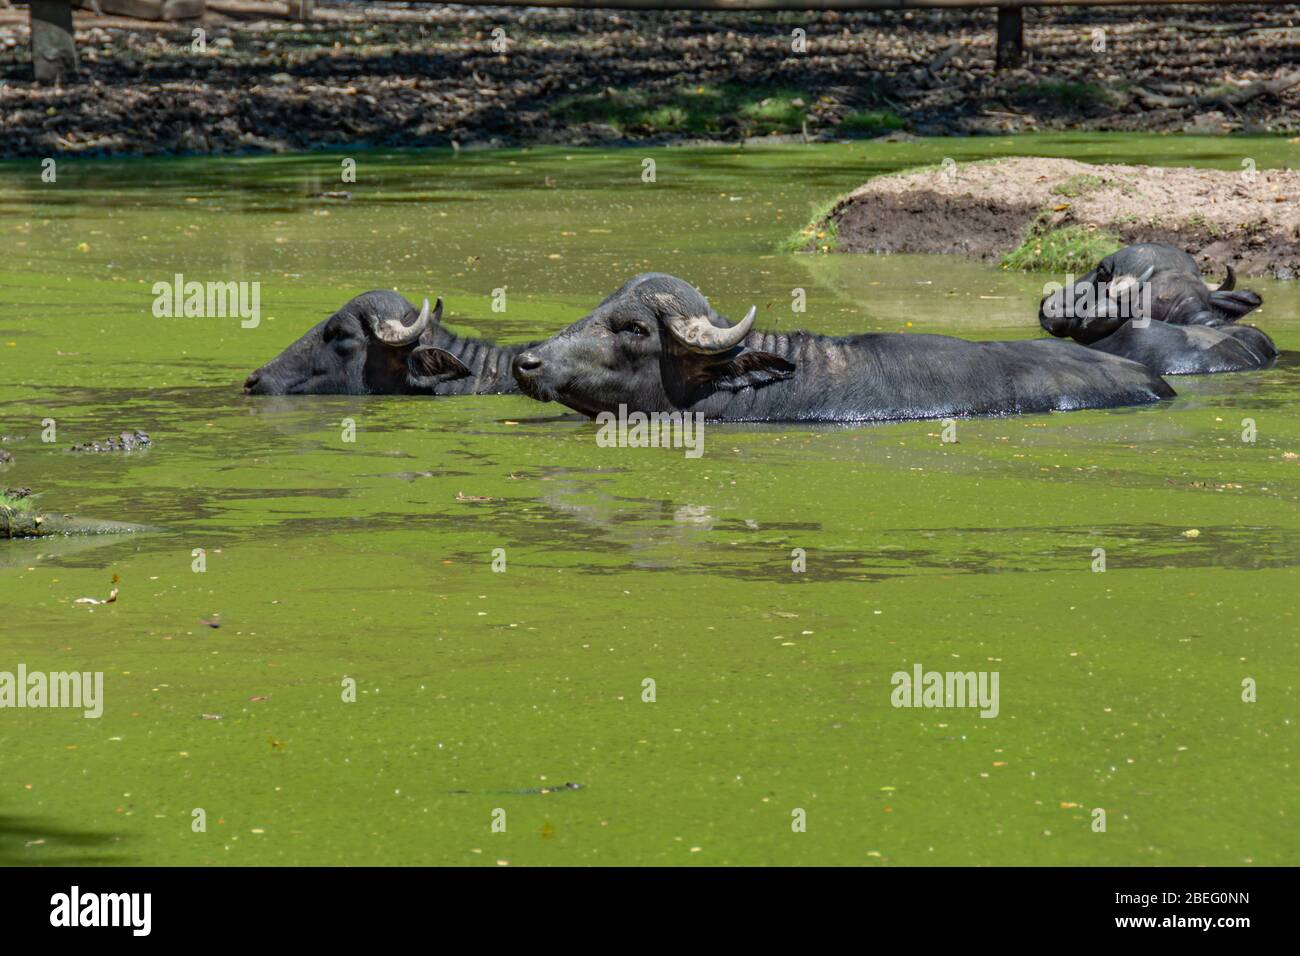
54,55
772,6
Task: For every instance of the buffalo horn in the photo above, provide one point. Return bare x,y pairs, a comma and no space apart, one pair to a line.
698,334
1227,284
393,332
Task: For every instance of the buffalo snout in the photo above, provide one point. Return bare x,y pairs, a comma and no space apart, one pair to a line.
526,363
267,380
533,375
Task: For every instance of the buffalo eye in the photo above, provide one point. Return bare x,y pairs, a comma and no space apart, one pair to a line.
635,328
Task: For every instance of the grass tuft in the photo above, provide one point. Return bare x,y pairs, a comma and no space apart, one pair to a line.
13,502
1068,96
820,235
1080,184
699,110
1068,249
870,123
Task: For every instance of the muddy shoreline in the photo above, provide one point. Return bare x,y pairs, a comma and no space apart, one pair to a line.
1249,220
427,76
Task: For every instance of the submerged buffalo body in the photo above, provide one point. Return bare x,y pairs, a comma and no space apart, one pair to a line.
381,344
655,345
1147,302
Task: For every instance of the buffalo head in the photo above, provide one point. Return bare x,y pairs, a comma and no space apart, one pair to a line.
378,343
654,345
1151,281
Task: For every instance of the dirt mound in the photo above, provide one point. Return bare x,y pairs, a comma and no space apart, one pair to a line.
1249,219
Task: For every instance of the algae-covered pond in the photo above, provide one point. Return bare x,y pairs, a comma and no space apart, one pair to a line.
477,690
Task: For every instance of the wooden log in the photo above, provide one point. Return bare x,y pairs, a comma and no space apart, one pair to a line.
247,8
251,9
16,523
54,54
21,523
261,10
841,5
1011,37
147,9
1236,97
280,8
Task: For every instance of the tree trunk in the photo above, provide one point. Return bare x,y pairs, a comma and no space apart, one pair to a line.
54,55
1011,37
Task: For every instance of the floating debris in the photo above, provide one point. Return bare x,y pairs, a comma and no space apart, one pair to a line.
557,789
112,597
126,441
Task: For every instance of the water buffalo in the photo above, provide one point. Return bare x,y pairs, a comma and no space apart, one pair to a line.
655,345
1147,302
381,344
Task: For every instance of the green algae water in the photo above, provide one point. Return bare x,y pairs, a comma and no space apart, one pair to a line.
628,573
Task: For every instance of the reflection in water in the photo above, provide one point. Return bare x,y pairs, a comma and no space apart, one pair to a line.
27,841
607,531
62,549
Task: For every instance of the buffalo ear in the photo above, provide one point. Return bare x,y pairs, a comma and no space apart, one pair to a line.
1235,304
428,366
749,369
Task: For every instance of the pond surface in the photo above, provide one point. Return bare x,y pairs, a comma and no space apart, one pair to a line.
475,690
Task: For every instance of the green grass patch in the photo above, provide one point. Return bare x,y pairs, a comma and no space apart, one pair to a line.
870,123
781,113
13,502
821,233
698,110
1080,184
1222,89
1067,95
1084,184
1068,249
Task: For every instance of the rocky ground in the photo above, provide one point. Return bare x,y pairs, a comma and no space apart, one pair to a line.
1249,219
410,75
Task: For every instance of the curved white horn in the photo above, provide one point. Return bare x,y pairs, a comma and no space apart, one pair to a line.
1227,284
392,332
698,334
